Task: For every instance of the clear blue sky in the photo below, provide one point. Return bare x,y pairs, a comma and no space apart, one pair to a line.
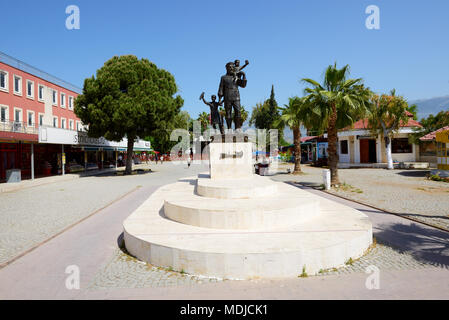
284,41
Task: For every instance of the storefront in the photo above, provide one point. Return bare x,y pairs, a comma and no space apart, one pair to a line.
442,139
83,153
58,151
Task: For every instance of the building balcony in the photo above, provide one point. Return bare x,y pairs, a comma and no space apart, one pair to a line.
18,131
18,127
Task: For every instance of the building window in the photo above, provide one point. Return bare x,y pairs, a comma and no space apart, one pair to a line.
41,92
77,126
55,122
17,85
30,118
71,124
3,80
17,115
63,123
41,120
55,97
401,145
344,147
70,103
30,89
4,114
62,100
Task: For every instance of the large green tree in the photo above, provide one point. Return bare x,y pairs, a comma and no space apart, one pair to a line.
129,98
387,113
160,139
336,103
266,115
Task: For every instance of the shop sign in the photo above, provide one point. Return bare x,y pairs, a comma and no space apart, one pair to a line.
83,139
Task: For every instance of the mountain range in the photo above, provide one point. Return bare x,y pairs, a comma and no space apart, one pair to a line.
431,106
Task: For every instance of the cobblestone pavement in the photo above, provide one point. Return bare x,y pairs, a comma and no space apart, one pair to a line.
124,271
404,192
30,216
384,258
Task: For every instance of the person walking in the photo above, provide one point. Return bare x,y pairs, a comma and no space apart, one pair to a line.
189,157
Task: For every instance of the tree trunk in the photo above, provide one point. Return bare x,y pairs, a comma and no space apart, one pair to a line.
332,139
297,142
388,152
129,158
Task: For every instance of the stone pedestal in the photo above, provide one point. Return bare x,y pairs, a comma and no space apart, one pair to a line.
230,160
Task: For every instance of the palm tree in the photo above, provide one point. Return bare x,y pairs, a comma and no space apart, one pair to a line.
338,103
204,120
294,114
244,114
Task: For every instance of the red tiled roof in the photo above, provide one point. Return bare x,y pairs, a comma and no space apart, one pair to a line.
432,136
363,124
305,139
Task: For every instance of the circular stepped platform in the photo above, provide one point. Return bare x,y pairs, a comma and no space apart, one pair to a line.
324,241
282,208
256,187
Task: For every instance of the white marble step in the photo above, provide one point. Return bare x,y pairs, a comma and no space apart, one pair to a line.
326,241
283,208
255,187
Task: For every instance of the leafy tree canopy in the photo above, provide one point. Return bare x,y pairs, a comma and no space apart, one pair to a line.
160,139
387,113
430,124
413,109
265,115
128,98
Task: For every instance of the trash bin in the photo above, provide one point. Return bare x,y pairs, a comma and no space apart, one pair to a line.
13,176
263,169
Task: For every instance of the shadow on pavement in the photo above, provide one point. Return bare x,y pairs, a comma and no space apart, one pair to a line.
415,173
313,185
427,245
114,173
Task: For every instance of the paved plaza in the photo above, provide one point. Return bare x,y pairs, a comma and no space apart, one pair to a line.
413,258
404,192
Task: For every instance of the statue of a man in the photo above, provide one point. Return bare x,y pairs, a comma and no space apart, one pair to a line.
229,90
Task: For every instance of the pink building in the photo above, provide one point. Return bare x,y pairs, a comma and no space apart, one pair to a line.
29,99
40,134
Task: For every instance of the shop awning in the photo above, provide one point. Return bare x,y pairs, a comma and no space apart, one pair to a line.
109,148
91,148
142,149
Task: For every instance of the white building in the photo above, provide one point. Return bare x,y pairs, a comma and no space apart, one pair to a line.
358,147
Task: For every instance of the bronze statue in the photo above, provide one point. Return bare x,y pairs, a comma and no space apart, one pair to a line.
238,73
229,91
214,112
